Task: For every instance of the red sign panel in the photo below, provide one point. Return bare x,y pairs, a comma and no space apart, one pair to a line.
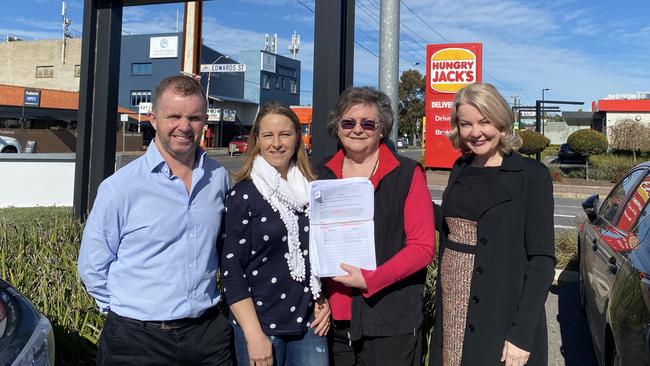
450,67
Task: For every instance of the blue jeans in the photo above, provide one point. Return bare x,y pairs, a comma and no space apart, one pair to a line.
291,350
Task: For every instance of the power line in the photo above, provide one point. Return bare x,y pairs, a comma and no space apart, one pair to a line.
423,22
357,43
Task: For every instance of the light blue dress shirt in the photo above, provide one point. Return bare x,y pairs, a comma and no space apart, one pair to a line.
149,250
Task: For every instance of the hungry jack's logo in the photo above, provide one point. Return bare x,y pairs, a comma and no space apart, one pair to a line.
452,69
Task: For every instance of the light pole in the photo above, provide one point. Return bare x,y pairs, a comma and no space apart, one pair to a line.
543,108
207,89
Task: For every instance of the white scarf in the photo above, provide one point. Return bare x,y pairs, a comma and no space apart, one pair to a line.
286,197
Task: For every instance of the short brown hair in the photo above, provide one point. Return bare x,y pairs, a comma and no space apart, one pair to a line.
183,85
492,107
363,95
253,149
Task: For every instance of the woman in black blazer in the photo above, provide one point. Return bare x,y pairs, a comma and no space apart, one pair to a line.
497,250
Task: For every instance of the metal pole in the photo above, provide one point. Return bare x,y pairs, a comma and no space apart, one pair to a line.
389,58
333,60
207,90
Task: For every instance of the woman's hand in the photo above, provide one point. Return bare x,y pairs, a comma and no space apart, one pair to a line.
354,278
321,323
513,355
260,350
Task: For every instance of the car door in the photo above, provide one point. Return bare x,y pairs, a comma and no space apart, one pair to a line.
602,242
630,297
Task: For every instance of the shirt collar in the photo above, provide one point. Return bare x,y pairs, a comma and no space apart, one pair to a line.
387,162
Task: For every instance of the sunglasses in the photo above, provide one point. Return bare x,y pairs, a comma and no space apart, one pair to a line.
366,124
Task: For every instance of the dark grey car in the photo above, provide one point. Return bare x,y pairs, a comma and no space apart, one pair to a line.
26,336
614,252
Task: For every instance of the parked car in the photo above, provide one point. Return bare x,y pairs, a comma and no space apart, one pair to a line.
614,270
238,144
26,336
568,156
401,143
9,145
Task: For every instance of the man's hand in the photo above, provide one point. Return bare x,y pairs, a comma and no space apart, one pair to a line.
321,323
513,355
354,278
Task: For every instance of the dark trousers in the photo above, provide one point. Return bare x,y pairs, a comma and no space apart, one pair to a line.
397,350
206,340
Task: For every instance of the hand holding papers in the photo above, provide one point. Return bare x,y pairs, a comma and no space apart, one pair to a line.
341,225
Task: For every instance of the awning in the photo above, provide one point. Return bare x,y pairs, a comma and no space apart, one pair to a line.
222,98
578,118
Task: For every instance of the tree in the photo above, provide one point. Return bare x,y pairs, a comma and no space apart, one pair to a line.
411,102
587,142
629,135
533,142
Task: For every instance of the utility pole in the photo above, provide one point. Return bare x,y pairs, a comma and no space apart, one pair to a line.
190,57
389,58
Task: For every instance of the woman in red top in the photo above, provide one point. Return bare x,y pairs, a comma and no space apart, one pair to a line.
378,313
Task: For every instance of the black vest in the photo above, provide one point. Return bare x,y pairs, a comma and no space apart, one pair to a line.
397,309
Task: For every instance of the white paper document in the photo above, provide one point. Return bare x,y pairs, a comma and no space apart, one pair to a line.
341,226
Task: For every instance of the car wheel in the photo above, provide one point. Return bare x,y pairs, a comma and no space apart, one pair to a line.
10,149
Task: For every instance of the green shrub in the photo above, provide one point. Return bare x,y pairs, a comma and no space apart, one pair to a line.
532,142
38,255
587,142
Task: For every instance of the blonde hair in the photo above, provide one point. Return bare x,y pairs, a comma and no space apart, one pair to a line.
493,107
253,148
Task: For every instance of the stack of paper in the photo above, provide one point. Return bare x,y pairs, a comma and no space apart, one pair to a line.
341,225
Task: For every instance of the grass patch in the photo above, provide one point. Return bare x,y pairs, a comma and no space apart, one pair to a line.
566,249
38,255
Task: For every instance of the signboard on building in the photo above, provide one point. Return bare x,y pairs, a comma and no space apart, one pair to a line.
214,114
229,115
163,47
32,98
268,62
145,107
223,68
450,67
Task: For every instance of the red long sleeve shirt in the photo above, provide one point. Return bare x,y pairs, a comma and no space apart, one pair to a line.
418,250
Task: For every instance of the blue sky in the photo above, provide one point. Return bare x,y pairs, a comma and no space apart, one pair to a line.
582,50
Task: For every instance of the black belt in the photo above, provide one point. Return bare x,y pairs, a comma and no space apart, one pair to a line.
171,324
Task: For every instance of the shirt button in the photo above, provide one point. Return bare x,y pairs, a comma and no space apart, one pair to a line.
470,328
479,270
475,299
483,241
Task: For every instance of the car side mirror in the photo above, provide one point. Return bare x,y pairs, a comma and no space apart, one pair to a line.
590,206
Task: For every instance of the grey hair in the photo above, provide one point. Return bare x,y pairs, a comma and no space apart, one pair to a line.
362,95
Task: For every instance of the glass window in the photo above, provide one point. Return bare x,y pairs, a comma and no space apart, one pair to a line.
140,96
143,68
293,86
44,71
265,82
617,196
77,71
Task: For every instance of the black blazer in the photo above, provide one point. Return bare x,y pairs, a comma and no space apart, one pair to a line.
513,267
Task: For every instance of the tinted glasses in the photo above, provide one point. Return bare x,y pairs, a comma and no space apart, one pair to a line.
366,124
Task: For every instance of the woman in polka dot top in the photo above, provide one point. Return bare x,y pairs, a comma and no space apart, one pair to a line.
278,315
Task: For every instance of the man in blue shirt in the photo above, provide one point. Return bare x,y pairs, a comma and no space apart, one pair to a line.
149,255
